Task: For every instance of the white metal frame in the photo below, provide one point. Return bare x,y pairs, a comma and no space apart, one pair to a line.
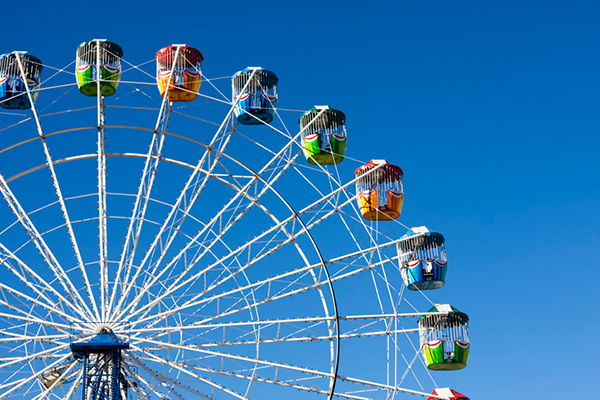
149,298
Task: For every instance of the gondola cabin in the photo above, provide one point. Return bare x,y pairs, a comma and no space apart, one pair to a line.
323,135
179,69
447,393
444,338
13,92
422,257
102,54
255,91
48,378
379,190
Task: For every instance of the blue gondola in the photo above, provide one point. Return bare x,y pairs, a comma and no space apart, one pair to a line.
257,103
13,92
422,256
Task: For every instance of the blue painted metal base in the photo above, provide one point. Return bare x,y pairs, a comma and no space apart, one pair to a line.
102,376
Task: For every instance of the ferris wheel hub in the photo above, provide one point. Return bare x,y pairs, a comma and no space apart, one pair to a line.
103,329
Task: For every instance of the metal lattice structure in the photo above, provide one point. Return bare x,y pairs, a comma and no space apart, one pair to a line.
104,377
162,250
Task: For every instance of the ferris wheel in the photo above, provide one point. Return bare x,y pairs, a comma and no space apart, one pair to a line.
165,234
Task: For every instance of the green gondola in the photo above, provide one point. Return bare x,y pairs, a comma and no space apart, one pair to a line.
445,338
323,135
87,64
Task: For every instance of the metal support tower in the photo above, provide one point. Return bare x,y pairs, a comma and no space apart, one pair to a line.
102,373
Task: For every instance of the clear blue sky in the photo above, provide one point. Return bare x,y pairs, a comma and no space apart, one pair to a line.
490,107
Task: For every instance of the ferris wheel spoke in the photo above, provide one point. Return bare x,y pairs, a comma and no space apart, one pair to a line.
76,383
20,302
201,298
294,333
291,369
212,144
290,384
62,377
363,321
241,192
257,378
281,294
333,199
222,231
146,184
184,370
43,248
181,308
101,166
5,254
59,194
409,365
142,199
206,300
225,99
29,331
243,333
253,200
376,251
290,338
24,338
159,377
47,353
188,196
176,215
370,251
34,301
21,382
27,316
369,265
188,283
102,217
279,226
151,387
15,337
33,320
134,382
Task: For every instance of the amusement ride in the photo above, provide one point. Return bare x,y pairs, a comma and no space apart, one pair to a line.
165,234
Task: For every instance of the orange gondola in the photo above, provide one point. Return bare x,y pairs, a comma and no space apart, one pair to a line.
178,67
379,189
